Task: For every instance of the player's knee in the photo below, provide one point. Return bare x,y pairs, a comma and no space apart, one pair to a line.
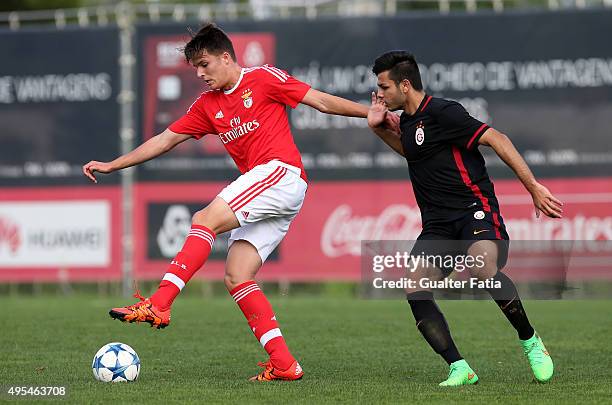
485,265
416,293
233,280
230,282
488,270
200,218
203,217
217,217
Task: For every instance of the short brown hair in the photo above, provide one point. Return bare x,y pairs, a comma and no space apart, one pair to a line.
211,39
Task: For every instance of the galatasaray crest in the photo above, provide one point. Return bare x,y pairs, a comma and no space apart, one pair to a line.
247,99
419,135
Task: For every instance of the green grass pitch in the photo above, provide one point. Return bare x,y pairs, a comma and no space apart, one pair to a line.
352,351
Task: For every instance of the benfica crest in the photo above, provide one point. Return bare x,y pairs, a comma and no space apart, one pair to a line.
247,99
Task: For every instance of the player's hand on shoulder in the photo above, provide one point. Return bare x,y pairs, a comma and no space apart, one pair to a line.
94,166
377,114
545,202
392,122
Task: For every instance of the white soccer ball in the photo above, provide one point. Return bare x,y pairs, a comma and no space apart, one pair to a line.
116,362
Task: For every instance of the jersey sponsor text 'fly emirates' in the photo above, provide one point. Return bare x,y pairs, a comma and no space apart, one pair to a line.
250,118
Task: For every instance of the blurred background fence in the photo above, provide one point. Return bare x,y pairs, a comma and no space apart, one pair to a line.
93,82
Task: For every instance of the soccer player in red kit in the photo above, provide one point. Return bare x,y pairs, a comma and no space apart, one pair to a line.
246,108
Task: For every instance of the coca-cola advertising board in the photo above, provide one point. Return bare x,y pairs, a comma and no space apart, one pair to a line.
324,241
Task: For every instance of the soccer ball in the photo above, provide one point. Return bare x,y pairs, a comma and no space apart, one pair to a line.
116,362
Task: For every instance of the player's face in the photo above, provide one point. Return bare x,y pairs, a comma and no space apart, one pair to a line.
390,92
213,69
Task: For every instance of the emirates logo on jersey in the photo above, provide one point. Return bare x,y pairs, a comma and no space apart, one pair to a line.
247,100
238,129
419,135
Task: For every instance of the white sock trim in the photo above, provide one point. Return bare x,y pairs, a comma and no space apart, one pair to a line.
203,236
202,233
269,335
174,279
245,291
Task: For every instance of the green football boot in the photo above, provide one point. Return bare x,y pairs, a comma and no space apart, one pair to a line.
539,358
460,374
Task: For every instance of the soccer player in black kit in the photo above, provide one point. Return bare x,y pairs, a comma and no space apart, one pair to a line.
440,141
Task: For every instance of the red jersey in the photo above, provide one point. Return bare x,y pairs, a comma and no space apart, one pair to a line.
250,118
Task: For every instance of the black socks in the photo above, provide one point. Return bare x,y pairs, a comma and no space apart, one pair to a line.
432,325
509,302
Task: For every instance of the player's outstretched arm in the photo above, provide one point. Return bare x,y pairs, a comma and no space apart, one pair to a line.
150,149
543,200
385,124
329,104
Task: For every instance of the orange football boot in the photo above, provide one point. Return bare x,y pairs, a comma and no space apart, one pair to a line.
270,373
143,311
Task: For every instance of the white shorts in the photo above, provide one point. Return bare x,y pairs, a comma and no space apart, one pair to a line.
265,200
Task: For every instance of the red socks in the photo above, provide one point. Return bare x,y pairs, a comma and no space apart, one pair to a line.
195,251
248,296
260,316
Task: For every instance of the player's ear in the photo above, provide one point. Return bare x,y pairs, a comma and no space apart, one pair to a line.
227,58
405,86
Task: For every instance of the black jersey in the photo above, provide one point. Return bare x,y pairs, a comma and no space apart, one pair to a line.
447,171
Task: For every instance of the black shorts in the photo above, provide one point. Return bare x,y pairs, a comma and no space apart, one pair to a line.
461,229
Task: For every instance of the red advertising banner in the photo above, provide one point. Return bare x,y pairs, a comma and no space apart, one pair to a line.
60,234
324,242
